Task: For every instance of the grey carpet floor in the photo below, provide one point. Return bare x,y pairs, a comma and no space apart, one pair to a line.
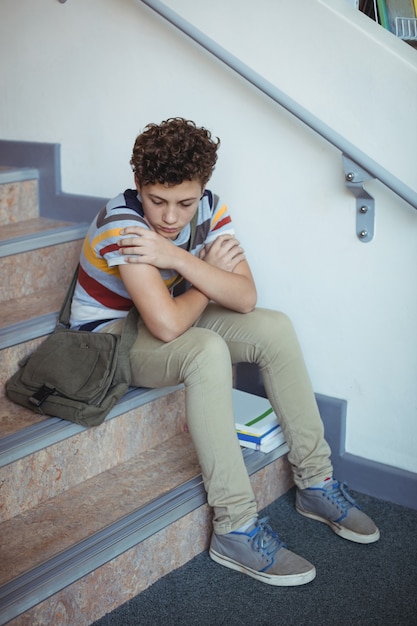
355,585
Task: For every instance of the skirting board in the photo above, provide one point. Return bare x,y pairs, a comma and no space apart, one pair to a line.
53,202
370,477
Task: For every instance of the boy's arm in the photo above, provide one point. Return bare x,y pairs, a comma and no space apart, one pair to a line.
165,317
222,275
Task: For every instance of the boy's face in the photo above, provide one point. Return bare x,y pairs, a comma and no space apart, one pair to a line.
168,209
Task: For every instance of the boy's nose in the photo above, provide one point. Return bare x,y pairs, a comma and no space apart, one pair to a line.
169,216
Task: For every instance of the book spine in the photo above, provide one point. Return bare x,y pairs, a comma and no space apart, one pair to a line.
249,444
383,13
257,438
263,447
258,431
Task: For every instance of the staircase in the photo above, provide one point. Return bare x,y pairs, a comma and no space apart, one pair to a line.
89,518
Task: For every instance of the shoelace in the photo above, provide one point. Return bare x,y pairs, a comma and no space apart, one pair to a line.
337,492
266,539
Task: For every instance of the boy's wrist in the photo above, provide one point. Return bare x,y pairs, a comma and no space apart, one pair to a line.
181,259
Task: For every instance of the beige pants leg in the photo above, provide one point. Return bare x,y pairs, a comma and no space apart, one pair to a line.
267,338
202,359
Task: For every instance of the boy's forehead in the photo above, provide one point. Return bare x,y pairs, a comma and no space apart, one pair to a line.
188,188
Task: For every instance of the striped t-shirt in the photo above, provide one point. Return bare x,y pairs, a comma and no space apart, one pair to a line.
100,295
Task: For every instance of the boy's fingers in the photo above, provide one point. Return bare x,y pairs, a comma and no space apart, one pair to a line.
133,230
129,241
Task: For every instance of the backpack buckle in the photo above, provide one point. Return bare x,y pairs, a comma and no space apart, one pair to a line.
41,395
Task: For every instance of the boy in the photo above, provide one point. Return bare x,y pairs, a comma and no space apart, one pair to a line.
134,254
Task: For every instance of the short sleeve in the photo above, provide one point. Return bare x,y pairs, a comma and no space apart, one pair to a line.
221,222
105,241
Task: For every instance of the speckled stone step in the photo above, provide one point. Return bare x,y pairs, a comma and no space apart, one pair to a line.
95,502
18,195
10,357
30,306
76,576
31,479
33,271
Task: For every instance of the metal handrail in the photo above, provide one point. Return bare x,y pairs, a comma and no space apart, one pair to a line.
364,161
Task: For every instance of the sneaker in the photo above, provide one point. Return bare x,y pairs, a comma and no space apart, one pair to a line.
260,553
335,507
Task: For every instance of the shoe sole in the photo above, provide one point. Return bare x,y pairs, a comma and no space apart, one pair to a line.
340,530
290,580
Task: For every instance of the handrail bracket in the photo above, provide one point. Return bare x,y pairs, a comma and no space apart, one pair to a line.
355,176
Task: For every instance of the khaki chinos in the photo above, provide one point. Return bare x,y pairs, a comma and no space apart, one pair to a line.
202,359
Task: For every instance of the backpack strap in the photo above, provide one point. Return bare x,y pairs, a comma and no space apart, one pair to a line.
64,314
129,329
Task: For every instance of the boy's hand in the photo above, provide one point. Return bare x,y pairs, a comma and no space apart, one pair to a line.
147,247
225,253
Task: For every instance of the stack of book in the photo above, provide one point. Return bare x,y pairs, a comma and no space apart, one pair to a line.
256,423
399,16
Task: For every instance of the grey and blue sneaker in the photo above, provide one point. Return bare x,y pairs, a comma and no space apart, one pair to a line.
260,553
334,506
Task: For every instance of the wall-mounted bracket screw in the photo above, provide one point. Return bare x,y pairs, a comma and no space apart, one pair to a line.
365,204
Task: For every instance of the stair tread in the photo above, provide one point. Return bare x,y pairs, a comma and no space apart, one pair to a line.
40,533
15,418
30,227
33,305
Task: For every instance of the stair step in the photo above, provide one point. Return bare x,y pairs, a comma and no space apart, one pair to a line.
38,460
31,227
93,504
23,432
18,194
154,491
83,521
10,358
34,315
40,232
50,267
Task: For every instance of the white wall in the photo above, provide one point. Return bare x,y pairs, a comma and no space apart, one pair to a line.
90,74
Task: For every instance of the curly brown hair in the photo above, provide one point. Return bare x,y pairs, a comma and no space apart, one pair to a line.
174,151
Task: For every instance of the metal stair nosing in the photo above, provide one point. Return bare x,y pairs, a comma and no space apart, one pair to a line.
35,586
53,429
28,329
43,239
10,175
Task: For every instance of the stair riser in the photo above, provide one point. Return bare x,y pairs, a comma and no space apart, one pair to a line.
36,478
123,578
32,271
18,201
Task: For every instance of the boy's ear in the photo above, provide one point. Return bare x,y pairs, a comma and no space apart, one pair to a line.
137,183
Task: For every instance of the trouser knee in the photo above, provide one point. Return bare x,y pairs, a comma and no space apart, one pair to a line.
206,352
272,332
